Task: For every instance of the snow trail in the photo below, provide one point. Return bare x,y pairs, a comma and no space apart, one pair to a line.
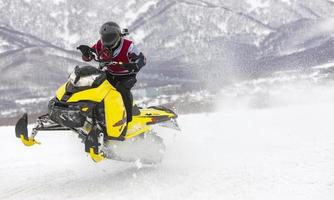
275,153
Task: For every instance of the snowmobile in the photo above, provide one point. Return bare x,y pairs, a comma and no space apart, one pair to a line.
89,105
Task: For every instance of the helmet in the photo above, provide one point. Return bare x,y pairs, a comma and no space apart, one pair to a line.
110,34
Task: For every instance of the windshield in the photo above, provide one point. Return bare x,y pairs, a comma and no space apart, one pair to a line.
82,81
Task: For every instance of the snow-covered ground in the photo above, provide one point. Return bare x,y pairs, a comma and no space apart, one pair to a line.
273,153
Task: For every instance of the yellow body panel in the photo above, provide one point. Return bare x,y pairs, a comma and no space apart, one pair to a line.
146,112
115,113
94,94
61,91
136,127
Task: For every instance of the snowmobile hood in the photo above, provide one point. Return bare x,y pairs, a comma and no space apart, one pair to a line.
85,83
96,94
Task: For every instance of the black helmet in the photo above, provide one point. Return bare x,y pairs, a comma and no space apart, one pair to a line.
110,34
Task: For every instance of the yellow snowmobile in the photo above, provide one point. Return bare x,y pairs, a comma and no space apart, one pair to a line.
91,107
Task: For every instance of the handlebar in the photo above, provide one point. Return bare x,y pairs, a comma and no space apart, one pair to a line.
104,64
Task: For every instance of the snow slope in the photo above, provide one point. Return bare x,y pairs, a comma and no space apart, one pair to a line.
274,153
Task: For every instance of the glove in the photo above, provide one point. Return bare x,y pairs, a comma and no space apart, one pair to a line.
140,59
85,50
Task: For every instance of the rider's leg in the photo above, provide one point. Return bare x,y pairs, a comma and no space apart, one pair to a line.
124,86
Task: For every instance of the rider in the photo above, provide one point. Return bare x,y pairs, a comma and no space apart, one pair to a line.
124,57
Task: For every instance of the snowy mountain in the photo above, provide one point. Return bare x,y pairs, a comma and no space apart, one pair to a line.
246,21
31,69
194,47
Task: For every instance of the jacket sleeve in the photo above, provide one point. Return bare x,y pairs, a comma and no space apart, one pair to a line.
135,56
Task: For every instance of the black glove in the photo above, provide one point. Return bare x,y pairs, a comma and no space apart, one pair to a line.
85,50
140,59
133,67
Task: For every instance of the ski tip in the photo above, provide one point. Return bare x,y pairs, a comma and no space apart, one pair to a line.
29,142
96,157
